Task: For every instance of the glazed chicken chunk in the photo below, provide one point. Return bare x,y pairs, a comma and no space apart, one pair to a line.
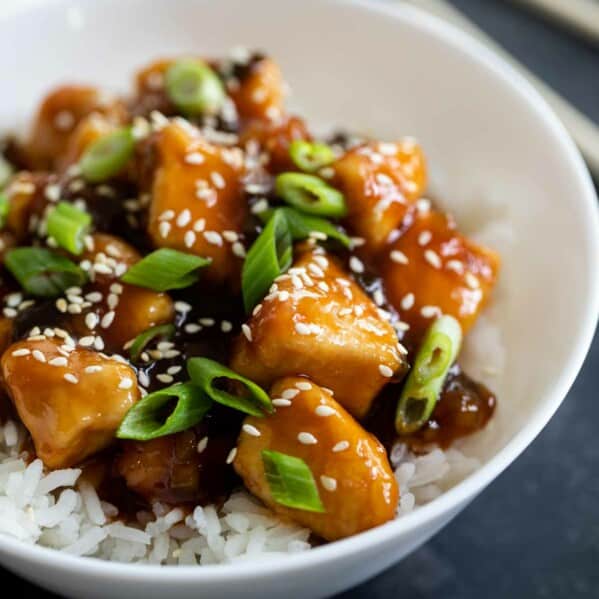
316,321
197,205
350,467
71,399
118,312
432,269
380,182
58,116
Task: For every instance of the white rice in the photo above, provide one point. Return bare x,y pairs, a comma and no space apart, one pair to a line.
55,510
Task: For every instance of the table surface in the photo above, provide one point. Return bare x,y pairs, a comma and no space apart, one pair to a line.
534,533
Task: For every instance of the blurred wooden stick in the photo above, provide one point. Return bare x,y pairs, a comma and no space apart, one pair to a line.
581,16
584,132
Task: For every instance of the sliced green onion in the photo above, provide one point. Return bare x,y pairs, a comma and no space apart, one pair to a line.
151,417
107,156
270,255
194,88
4,208
141,341
68,226
437,353
310,194
165,269
302,226
291,481
42,272
310,157
206,374
6,171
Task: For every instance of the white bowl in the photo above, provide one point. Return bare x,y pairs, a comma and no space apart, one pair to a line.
495,149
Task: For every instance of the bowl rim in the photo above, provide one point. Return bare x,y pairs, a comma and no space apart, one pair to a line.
467,489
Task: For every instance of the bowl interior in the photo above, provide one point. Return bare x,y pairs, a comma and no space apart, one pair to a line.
499,161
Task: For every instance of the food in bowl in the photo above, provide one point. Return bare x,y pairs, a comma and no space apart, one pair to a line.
223,337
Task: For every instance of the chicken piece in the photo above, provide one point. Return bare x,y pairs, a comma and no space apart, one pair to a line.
260,92
380,182
71,400
171,469
274,139
58,115
319,323
354,479
432,269
134,309
197,202
151,94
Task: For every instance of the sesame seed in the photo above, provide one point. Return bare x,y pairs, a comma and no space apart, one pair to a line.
257,309
455,265
189,239
247,331
194,158
283,296
91,320
430,311
238,249
230,236
93,368
213,238
107,319
260,206
99,343
321,261
385,371
251,430
218,180
87,341
21,352
38,355
202,444
164,229
164,378
303,386
167,215
407,301
59,361
424,237
324,411
184,218
94,297
302,329
226,326
126,383
432,258
307,438
9,312
182,307
199,225
471,281
231,455
341,446
356,265
70,378
192,328
174,369
280,402
290,393
398,257
328,483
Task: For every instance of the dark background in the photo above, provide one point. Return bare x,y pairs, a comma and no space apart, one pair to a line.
535,532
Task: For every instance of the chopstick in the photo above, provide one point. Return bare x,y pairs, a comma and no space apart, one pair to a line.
581,16
584,131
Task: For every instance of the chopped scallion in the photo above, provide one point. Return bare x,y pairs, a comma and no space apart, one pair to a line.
141,341
270,255
4,208
107,156
152,416
291,481
165,269
437,353
207,374
310,156
194,88
310,194
68,226
42,272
